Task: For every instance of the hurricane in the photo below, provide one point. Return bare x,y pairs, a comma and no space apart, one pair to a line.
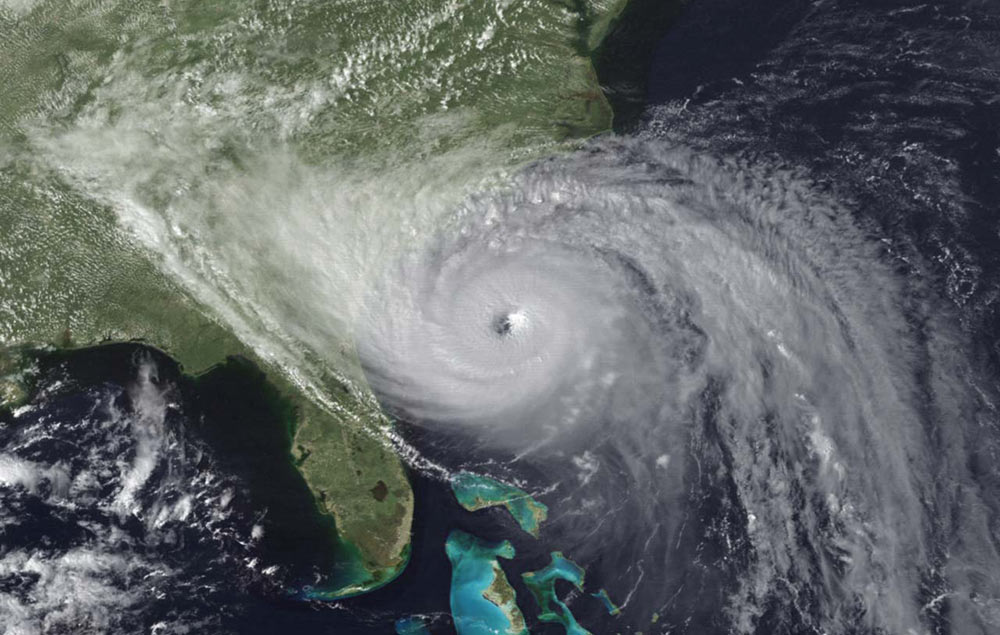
748,414
510,317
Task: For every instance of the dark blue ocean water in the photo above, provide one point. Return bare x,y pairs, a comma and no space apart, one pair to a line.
222,437
894,107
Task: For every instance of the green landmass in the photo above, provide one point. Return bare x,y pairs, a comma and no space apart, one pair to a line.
163,112
70,279
475,492
625,54
502,594
14,377
482,600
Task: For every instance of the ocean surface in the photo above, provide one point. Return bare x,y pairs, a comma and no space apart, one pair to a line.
744,349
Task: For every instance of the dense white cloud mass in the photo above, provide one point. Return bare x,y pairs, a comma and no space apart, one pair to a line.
677,323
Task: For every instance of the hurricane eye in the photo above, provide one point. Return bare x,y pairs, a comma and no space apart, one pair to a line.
509,323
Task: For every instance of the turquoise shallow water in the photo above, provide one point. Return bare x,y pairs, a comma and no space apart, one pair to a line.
610,606
474,491
542,584
473,561
411,626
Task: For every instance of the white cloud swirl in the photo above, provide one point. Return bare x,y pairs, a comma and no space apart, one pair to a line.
639,301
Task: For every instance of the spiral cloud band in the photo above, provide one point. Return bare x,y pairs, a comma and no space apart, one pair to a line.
720,373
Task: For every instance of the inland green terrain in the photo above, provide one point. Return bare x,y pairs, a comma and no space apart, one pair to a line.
174,172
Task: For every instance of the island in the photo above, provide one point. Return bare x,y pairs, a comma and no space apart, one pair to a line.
475,492
482,600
